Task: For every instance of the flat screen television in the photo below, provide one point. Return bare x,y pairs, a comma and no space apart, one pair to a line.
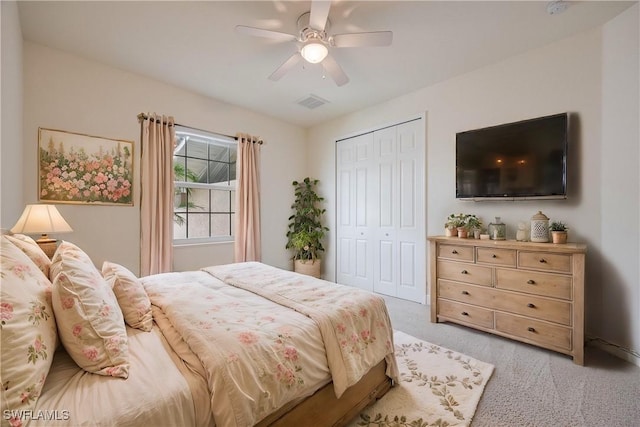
521,160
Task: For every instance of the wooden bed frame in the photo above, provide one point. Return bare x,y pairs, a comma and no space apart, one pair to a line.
323,408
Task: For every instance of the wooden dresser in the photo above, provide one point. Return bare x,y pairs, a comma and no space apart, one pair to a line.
530,292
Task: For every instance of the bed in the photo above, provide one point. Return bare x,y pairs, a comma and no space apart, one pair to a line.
231,345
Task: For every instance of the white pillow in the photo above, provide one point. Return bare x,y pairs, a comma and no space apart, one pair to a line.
132,298
90,322
28,329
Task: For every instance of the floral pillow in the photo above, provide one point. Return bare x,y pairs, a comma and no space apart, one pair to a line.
27,329
29,246
90,323
132,298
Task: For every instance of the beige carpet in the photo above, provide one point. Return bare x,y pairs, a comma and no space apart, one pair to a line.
438,387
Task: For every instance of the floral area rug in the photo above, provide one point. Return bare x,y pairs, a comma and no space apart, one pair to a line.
437,387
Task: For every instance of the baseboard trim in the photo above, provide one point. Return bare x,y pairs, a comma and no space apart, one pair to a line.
623,353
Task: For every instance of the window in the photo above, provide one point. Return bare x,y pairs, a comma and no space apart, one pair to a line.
204,165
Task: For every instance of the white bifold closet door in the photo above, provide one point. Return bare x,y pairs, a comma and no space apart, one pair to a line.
380,211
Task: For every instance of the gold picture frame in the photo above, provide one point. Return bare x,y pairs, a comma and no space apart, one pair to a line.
84,169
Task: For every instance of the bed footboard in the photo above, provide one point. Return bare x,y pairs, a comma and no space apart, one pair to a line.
324,409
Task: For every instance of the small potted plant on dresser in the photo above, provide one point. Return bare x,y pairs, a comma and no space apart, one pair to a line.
305,228
474,225
558,232
454,221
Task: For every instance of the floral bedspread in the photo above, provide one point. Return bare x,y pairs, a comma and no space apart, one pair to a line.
354,324
258,354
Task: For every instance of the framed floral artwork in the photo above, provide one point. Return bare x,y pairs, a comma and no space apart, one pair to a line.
84,169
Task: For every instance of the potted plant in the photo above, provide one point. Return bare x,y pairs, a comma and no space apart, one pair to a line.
305,228
558,232
474,225
453,222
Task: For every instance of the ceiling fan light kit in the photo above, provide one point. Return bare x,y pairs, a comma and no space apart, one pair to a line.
314,51
314,43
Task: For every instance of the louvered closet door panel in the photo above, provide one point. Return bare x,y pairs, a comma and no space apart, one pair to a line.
411,234
354,249
386,213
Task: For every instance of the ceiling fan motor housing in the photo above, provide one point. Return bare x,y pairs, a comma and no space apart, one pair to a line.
307,33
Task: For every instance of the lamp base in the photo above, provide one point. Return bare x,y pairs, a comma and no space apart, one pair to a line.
48,246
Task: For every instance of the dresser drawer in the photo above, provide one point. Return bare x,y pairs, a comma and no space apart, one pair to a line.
494,256
456,252
533,331
552,310
469,294
465,313
545,261
468,273
530,282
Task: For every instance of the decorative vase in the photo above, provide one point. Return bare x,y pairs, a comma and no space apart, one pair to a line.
559,236
462,232
308,267
476,233
539,228
497,230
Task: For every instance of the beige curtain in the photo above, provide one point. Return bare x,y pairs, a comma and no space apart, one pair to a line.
156,206
247,230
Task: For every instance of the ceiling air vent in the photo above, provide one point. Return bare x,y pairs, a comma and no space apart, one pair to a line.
312,101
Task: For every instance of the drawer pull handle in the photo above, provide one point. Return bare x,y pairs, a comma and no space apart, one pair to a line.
531,282
454,252
465,293
464,313
542,260
530,329
464,272
494,256
530,305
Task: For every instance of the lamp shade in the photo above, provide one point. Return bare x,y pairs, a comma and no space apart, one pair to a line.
314,52
41,219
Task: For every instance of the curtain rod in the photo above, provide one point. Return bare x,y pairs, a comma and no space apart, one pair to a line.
143,116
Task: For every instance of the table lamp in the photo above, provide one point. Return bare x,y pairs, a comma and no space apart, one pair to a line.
42,219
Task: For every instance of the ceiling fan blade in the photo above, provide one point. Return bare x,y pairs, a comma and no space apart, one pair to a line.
259,32
286,66
335,71
375,38
319,14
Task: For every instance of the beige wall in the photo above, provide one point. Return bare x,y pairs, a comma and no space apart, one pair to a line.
67,92
620,182
11,187
569,75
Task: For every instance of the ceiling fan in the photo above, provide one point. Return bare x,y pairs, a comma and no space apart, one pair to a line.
314,42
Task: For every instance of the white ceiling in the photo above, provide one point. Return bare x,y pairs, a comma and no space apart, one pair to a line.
194,45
